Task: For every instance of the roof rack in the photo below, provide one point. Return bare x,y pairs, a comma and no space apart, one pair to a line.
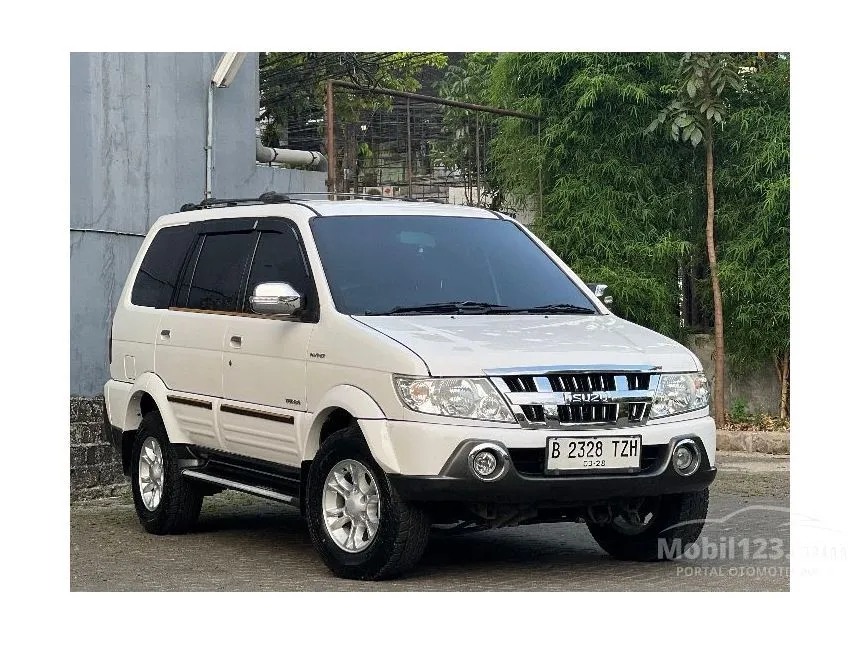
285,198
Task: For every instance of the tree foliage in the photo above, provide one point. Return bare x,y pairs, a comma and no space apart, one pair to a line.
616,206
630,210
754,215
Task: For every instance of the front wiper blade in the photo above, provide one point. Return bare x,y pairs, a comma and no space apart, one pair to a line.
555,308
452,307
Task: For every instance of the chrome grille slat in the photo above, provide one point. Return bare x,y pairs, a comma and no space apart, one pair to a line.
618,397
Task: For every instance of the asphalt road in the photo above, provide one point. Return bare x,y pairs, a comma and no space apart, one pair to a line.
244,543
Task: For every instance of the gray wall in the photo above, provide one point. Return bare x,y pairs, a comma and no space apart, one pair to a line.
138,125
759,388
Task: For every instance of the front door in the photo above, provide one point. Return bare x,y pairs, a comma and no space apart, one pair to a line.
264,358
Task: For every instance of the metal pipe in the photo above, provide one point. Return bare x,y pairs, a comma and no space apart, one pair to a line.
431,99
210,104
309,158
330,151
408,151
478,156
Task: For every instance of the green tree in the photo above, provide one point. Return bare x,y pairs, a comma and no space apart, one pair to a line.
468,82
691,117
754,219
617,204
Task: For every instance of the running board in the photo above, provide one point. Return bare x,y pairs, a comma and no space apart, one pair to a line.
245,488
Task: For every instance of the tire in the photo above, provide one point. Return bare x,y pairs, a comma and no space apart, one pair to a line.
402,530
178,505
645,546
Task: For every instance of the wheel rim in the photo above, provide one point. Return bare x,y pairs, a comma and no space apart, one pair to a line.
350,506
150,473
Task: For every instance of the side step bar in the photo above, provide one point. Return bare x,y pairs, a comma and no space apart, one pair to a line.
245,488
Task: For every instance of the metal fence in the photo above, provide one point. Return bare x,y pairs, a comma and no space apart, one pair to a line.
400,144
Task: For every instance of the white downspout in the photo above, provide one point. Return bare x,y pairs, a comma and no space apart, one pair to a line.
210,104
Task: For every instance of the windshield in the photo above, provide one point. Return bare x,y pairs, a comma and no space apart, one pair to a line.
418,264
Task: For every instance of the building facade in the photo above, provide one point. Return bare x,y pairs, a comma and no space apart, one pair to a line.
138,129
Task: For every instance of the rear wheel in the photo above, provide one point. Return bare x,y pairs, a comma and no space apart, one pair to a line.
652,528
358,524
165,501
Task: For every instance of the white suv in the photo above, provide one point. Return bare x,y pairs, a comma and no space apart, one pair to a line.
387,366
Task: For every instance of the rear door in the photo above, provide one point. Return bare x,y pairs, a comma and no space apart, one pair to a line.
191,333
264,358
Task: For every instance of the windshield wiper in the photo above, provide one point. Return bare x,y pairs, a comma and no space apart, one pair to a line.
453,307
552,309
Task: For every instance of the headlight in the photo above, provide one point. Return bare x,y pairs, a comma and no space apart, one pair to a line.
470,398
680,393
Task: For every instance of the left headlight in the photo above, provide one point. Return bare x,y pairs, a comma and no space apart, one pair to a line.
469,398
679,393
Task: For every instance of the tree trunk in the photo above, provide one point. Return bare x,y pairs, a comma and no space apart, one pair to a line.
783,380
719,348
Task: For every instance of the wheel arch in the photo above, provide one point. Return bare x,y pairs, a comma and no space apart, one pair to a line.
149,394
336,409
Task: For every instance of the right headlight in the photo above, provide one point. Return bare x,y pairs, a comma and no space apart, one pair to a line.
679,393
468,398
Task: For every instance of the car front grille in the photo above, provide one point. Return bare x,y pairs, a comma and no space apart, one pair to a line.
579,397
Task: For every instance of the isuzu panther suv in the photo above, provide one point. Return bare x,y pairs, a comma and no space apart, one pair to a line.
392,366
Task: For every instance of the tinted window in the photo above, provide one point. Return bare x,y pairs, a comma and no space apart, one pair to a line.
158,272
278,258
376,263
218,276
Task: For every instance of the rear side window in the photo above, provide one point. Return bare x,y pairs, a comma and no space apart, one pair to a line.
221,266
278,258
156,278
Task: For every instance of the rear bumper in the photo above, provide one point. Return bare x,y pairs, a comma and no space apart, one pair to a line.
111,433
457,484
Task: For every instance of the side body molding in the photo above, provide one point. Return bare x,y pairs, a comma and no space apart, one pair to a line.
370,418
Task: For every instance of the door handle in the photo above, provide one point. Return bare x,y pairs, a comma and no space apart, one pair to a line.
236,341
165,334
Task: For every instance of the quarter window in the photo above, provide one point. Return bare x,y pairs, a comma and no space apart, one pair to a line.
221,266
156,278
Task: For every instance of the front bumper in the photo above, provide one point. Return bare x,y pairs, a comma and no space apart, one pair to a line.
456,483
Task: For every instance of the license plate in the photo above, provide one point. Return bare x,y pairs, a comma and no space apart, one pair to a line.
565,454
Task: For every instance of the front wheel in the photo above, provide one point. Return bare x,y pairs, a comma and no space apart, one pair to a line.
357,522
652,528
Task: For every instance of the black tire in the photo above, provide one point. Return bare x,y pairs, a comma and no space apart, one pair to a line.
671,510
181,500
403,528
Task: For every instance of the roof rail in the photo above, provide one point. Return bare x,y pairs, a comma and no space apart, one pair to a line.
272,197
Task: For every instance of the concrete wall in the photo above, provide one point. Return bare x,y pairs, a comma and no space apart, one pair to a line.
137,135
760,388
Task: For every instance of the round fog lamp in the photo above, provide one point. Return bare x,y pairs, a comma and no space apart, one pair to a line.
485,463
685,458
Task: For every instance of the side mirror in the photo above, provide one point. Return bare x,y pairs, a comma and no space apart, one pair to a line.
600,291
276,299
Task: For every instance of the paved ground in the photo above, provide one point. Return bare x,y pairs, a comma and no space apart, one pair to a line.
244,543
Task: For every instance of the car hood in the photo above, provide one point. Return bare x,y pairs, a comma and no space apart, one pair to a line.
466,345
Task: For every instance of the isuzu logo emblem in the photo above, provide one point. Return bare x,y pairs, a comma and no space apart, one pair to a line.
586,397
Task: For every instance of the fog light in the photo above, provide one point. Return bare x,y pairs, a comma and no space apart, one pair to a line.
686,458
489,461
484,463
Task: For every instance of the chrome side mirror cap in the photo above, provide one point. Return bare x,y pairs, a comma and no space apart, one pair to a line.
276,299
600,291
